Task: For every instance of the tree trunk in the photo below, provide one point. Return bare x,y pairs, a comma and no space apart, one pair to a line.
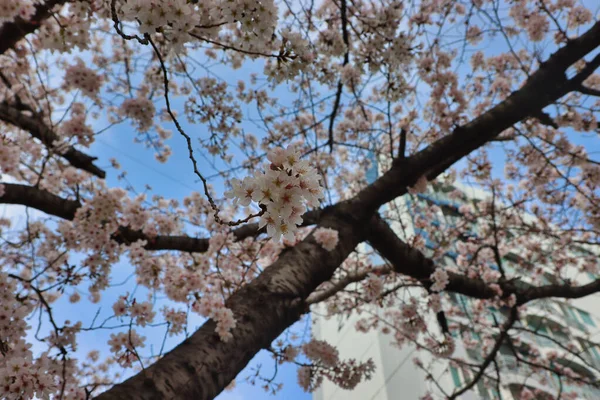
201,366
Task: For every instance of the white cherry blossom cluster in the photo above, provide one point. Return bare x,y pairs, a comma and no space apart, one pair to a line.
300,57
153,14
212,306
21,377
141,312
12,312
307,379
124,345
9,156
141,110
440,280
54,36
97,219
321,352
284,190
327,238
257,19
78,76
173,17
345,374
372,286
76,126
11,9
175,319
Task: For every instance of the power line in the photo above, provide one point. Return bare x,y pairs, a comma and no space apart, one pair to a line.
150,167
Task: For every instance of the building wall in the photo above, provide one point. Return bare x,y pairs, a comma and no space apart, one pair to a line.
396,376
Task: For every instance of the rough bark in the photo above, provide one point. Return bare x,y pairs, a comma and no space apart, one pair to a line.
39,199
202,365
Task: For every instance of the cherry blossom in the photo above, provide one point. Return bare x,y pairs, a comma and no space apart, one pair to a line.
327,238
452,146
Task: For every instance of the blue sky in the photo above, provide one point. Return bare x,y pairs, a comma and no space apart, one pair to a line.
175,179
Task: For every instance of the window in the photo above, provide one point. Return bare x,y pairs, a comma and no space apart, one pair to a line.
586,317
572,317
591,352
486,393
455,376
542,340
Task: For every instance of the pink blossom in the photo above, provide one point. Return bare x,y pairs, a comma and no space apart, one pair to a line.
327,238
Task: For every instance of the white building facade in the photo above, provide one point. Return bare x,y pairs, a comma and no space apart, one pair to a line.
558,323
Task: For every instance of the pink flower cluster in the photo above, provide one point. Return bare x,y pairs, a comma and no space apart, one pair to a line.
173,17
141,110
80,77
20,375
327,238
76,127
9,156
140,312
321,352
211,306
23,378
440,280
124,345
176,320
345,374
372,286
11,9
285,189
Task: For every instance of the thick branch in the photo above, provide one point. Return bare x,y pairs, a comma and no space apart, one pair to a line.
40,131
11,33
411,262
203,365
564,291
39,199
55,205
589,91
545,86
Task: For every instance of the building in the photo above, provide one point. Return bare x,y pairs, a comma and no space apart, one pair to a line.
557,324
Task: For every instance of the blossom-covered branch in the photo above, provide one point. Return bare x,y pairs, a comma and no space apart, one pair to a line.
31,123
17,28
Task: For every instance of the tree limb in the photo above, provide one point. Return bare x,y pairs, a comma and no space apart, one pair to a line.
411,262
589,91
11,33
39,130
546,85
55,205
201,366
492,354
